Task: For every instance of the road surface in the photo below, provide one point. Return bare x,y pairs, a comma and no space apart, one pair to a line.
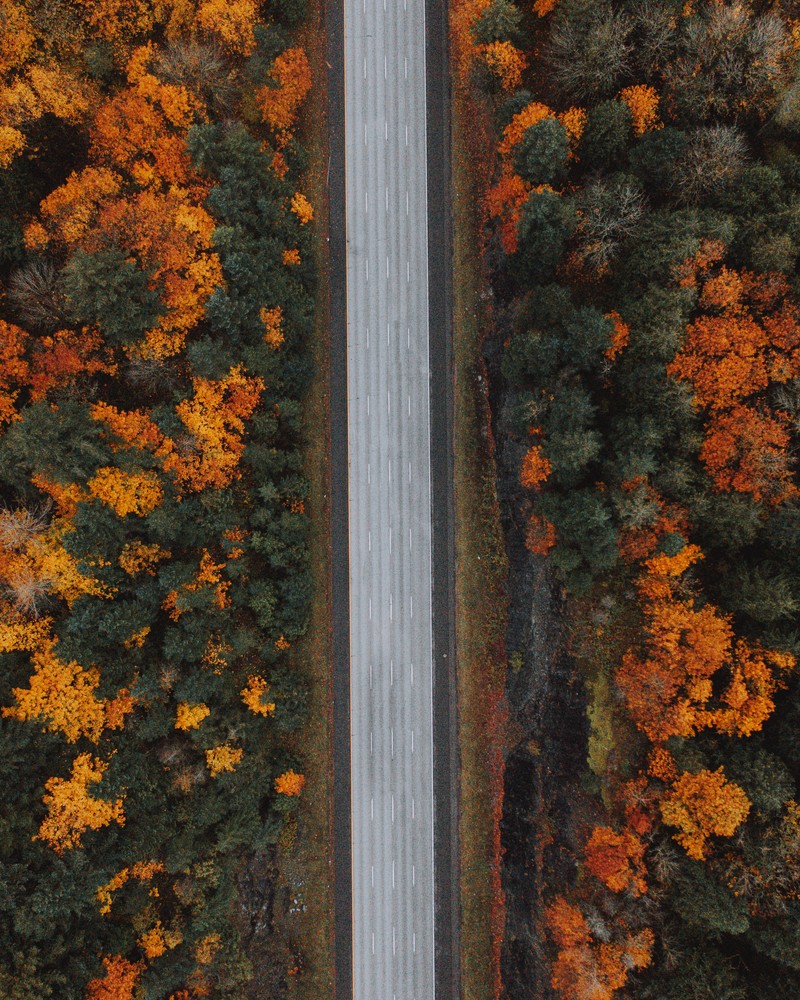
391,640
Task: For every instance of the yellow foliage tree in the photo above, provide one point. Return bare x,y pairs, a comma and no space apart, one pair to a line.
71,810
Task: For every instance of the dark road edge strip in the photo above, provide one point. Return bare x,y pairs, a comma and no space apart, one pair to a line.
440,322
340,558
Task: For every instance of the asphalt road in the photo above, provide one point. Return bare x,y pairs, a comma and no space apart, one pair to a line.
389,488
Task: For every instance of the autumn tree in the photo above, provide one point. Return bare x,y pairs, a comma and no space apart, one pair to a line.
703,805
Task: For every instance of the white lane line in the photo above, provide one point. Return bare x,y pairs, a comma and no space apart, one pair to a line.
385,64
409,540
408,270
388,332
386,131
369,540
367,338
412,675
409,464
372,875
405,66
387,199
390,541
412,740
408,337
387,267
409,413
370,609
373,942
414,943
412,605
413,810
406,135
367,404
370,676
391,673
369,474
391,609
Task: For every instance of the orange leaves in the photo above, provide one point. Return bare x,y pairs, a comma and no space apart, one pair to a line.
586,969
617,859
536,468
71,810
747,338
643,103
254,695
504,201
137,557
119,981
506,62
540,535
531,114
214,418
620,336
273,326
143,871
289,783
13,368
126,493
674,688
223,758
750,451
704,805
291,72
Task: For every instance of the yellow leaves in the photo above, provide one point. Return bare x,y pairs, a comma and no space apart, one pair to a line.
214,417
190,716
21,634
126,493
71,211
273,326
223,758
206,948
643,103
137,557
12,142
301,207
289,783
62,694
71,810
17,37
143,871
156,941
704,805
231,21
133,427
291,258
254,695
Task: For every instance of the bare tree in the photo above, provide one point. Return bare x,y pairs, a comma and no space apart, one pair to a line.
608,212
203,68
34,293
716,156
589,50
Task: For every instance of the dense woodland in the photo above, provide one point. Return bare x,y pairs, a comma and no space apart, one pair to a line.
644,221
157,283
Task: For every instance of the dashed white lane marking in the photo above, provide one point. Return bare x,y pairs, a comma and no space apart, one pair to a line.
370,676
405,67
391,673
393,809
413,875
413,810
391,609
406,202
388,332
408,337
387,268
393,874
408,270
406,135
412,675
390,541
369,541
369,474
414,943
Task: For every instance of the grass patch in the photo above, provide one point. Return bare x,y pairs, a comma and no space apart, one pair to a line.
481,571
305,861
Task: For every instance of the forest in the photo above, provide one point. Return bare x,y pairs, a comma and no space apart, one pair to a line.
641,223
156,259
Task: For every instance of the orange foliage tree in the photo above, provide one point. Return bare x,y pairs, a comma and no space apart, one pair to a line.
617,859
280,103
746,338
704,805
118,983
